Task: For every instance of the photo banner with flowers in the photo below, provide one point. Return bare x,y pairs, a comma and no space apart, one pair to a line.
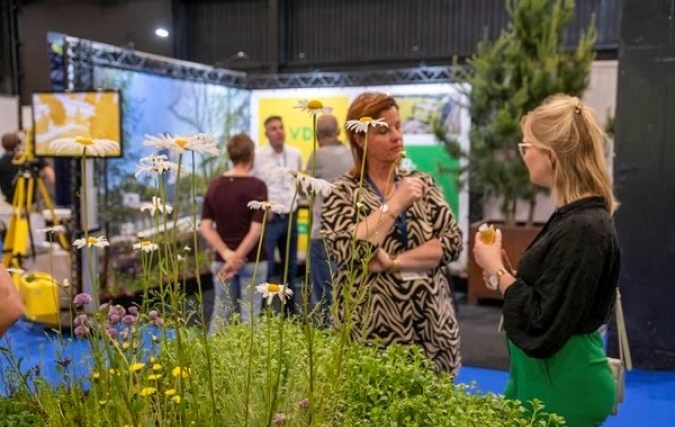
420,106
96,115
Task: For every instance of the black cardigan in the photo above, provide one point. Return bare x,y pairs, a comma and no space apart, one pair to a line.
566,279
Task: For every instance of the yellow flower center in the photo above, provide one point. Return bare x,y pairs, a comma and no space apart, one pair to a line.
84,140
273,288
314,105
181,142
92,240
366,119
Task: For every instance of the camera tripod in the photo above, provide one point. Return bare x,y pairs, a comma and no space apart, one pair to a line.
19,232
44,296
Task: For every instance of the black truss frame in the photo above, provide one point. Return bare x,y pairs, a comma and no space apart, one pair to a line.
81,56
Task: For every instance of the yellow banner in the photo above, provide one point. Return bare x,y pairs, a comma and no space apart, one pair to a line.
298,123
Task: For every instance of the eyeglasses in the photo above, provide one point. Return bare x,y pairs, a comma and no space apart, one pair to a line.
523,147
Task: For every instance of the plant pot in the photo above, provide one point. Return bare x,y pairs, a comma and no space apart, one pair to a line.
515,238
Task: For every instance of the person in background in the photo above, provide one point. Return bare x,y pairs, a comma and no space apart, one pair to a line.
566,280
11,143
12,307
333,159
233,230
400,227
267,160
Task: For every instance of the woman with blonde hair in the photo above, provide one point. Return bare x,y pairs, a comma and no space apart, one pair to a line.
565,283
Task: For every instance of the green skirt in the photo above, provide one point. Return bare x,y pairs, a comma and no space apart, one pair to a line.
575,383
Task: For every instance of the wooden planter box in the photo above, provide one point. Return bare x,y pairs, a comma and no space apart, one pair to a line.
515,240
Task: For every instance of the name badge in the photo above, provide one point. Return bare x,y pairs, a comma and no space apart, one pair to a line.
412,275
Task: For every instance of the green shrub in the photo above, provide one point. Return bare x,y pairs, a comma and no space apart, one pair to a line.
369,387
14,413
396,387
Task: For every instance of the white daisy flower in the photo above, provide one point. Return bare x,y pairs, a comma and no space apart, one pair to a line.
268,206
99,242
202,143
308,183
83,146
155,206
181,258
269,290
361,125
146,246
55,229
156,166
186,249
407,165
313,107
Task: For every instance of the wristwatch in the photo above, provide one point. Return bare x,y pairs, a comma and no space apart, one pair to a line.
385,209
494,279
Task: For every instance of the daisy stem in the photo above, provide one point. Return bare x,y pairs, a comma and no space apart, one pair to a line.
282,296
252,317
85,228
288,243
349,301
200,299
309,330
194,240
176,205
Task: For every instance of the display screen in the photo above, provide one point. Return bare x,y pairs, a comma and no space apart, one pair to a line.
93,114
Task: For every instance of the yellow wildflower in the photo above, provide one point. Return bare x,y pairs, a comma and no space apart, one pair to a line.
147,391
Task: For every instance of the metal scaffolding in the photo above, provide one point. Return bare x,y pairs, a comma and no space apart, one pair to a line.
81,56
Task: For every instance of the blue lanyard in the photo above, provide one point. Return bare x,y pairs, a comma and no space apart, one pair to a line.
400,220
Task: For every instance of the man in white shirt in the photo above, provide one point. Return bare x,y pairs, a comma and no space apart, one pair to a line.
268,158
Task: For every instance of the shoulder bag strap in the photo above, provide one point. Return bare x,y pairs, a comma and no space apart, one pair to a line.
624,348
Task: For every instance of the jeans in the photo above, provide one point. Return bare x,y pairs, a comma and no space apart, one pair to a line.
320,268
276,236
237,295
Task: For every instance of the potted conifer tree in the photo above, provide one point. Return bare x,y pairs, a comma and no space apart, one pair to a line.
505,79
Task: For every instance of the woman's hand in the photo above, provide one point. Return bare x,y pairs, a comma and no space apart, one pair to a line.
381,262
409,190
489,257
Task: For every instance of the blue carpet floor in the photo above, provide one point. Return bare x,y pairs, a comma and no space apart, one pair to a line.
650,396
